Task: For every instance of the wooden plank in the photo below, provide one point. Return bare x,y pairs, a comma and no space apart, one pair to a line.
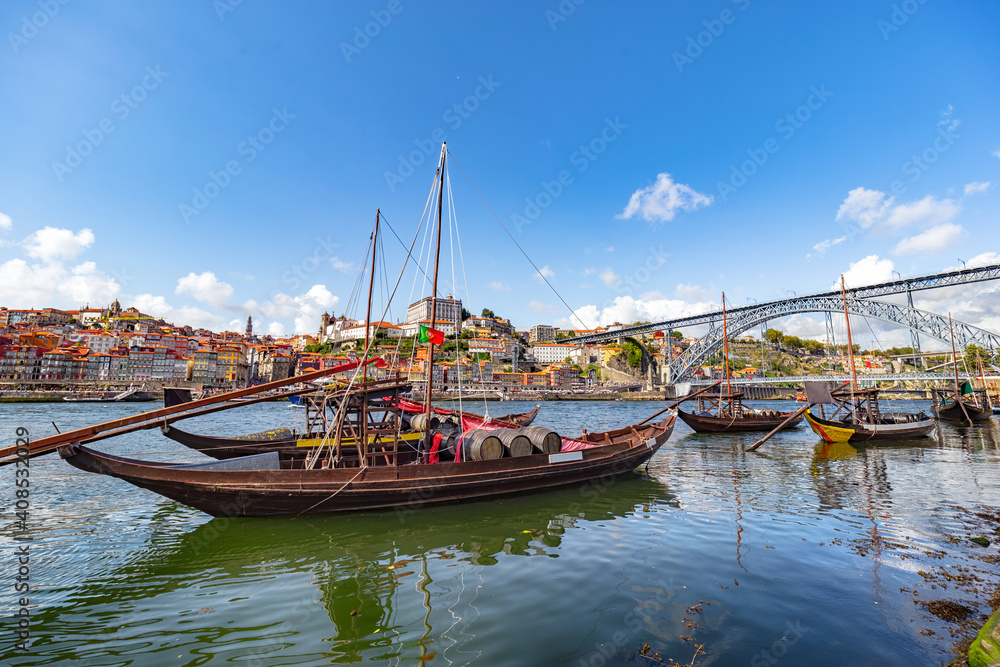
142,421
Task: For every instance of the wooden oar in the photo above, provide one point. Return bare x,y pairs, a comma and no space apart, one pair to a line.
679,401
777,428
41,446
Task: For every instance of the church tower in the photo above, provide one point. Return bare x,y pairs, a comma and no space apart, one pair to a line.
249,325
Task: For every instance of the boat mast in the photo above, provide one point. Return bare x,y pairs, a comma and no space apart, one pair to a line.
725,342
371,283
434,284
850,344
982,377
954,359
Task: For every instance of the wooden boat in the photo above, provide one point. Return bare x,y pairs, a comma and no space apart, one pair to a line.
261,485
858,419
857,416
973,405
718,413
724,412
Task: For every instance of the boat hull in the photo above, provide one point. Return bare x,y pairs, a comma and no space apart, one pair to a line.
713,424
403,489
837,431
954,412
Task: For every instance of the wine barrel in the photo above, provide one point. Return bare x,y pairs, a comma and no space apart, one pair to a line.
418,422
479,445
515,443
543,439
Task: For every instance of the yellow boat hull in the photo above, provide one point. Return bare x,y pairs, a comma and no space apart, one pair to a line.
827,432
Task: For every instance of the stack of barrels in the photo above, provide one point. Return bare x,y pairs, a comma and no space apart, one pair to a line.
488,445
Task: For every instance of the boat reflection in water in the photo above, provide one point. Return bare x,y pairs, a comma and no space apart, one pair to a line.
343,588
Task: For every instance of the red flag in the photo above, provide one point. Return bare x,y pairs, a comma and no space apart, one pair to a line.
431,335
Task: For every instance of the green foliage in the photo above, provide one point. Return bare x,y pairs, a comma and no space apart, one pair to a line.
632,353
488,313
465,314
318,348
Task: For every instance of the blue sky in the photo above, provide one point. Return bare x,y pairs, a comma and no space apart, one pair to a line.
205,161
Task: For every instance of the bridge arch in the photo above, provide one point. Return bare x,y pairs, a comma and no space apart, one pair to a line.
936,326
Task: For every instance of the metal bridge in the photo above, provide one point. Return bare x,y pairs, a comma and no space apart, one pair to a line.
860,301
946,379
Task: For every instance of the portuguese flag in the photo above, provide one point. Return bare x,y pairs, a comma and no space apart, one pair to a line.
430,335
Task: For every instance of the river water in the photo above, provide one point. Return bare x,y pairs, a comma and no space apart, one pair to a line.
796,554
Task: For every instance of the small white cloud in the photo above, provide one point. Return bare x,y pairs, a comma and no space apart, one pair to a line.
610,278
5,222
277,329
499,286
947,122
865,207
823,246
996,153
934,239
544,272
974,188
51,243
610,248
342,266
661,201
589,272
538,307
927,211
205,287
867,271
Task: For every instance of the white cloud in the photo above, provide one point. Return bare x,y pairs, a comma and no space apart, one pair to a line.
276,329
158,307
610,278
934,239
342,266
996,153
866,207
927,211
538,307
544,271
947,122
51,243
589,272
867,271
499,286
661,201
205,287
626,309
306,308
610,248
983,259
823,246
691,292
974,188
24,285
5,222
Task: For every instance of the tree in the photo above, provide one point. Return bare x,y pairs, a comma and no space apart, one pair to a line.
773,336
465,314
488,313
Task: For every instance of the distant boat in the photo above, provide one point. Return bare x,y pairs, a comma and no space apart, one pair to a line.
101,397
724,412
